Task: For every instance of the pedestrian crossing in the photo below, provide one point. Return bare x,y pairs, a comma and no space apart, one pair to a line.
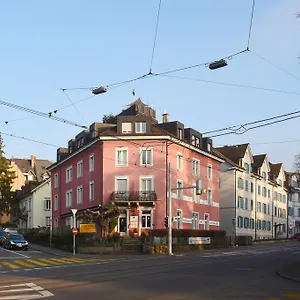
27,264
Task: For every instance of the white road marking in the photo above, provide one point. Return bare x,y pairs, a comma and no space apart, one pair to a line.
11,257
10,251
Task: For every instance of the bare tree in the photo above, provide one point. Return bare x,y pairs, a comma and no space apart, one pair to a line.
297,163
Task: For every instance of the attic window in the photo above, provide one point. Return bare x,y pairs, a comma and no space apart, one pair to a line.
180,133
126,127
140,127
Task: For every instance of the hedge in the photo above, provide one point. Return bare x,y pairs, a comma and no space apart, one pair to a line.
188,233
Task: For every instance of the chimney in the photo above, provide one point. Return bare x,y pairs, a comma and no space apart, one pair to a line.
33,161
165,117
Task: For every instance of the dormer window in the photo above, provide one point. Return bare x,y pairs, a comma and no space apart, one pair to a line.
180,133
193,140
140,127
126,127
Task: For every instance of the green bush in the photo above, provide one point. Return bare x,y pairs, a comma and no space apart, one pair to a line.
188,233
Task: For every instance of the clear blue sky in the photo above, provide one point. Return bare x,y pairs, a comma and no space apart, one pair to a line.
48,45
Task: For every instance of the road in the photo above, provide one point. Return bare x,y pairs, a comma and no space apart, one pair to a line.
231,274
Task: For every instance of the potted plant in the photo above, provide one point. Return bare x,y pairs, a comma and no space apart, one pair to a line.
135,232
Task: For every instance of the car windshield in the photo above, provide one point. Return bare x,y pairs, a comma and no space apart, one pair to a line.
16,237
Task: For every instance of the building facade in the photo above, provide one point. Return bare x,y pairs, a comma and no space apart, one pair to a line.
126,163
35,205
253,198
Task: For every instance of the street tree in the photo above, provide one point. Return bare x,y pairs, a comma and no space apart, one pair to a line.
105,218
109,118
7,177
297,163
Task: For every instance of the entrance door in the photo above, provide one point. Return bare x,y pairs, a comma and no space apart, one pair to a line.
122,225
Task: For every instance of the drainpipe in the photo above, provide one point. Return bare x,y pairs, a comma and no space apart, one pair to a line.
167,178
235,220
255,208
272,199
287,216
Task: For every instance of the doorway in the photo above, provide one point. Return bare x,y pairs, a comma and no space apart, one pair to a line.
122,224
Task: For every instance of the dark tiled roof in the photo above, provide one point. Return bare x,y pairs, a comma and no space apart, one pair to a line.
234,153
275,169
217,153
40,166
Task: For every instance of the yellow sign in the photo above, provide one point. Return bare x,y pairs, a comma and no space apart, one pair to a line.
87,228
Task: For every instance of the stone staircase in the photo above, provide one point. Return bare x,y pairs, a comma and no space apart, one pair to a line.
132,245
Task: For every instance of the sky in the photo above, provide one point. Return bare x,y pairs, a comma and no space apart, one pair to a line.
49,45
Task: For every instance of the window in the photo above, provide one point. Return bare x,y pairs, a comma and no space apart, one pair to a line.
264,192
206,221
180,133
247,168
146,157
69,174
179,189
196,167
280,182
92,162
195,220
47,203
48,221
122,185
69,198
146,219
246,185
194,195
209,172
92,191
29,205
251,187
258,189
122,157
269,193
179,161
246,222
56,223
240,183
140,127
246,203
252,223
264,227
56,202
283,198
146,184
251,205
264,208
209,197
179,219
79,195
56,180
126,127
79,169
264,175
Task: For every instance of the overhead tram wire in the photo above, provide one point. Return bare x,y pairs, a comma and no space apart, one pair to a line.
41,114
155,36
253,122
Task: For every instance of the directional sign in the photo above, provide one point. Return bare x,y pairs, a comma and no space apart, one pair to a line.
87,228
75,231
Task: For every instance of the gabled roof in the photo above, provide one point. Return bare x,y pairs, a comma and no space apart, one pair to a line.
220,155
234,153
275,169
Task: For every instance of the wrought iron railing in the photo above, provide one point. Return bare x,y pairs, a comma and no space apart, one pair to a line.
133,196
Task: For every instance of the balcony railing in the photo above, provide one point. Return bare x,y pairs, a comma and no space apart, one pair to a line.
133,196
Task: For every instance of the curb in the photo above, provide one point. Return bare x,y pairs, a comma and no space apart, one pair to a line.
46,251
287,277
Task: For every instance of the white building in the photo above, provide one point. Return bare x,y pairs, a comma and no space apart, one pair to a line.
35,205
253,198
293,183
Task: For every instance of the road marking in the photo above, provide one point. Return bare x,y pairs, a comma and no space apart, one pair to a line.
36,262
23,263
10,251
61,260
49,261
7,264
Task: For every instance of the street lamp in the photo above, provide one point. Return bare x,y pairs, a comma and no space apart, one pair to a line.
99,90
218,64
74,211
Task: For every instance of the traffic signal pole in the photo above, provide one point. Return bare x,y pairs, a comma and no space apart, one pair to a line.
170,212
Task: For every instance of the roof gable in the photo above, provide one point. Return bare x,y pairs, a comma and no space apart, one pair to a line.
235,152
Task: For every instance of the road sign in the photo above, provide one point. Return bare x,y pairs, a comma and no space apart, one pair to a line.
291,224
87,228
75,231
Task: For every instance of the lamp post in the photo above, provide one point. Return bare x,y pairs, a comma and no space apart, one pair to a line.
74,211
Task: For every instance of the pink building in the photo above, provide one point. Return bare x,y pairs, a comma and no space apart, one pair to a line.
126,162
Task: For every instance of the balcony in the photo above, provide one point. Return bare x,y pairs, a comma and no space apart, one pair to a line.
133,196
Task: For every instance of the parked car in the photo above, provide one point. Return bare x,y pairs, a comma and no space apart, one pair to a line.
15,241
296,236
2,237
11,230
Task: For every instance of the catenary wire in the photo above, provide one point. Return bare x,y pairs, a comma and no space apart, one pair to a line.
251,23
155,36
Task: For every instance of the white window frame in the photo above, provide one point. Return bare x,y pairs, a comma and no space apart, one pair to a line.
121,163
80,168
206,222
179,192
92,190
48,221
126,131
56,180
56,203
79,188
144,177
179,161
141,129
194,195
147,149
116,183
197,163
179,219
195,221
209,172
92,162
69,174
47,200
209,198
70,197
149,214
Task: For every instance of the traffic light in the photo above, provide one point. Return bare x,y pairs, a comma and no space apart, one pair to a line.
166,222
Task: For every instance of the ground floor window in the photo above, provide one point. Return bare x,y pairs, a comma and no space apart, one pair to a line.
195,220
146,219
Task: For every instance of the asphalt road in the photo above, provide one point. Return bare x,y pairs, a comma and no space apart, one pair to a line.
232,274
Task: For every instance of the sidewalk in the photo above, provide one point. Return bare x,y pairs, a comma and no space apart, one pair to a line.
290,272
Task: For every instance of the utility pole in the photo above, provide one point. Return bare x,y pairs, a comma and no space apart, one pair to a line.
51,228
74,211
170,211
